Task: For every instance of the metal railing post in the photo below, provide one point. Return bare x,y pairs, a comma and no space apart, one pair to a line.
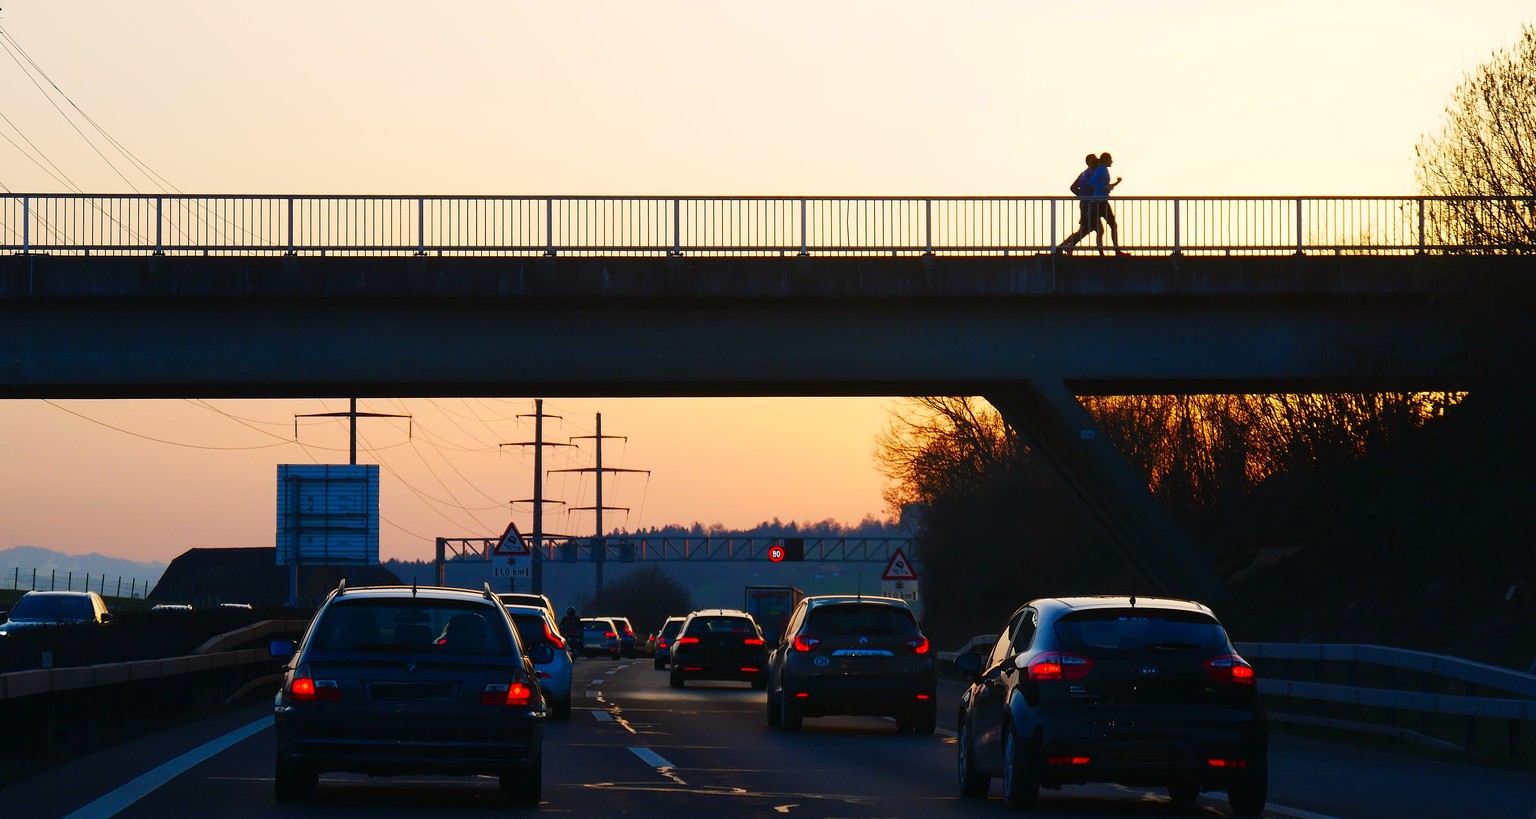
1421,225
1177,245
1298,226
26,224
928,208
1053,225
803,251
677,228
421,226
159,222
549,226
290,226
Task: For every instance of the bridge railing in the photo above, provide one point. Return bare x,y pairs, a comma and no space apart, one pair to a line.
128,224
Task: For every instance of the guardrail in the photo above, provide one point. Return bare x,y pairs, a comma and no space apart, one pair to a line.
228,224
1364,688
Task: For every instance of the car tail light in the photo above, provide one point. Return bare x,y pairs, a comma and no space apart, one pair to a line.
918,644
750,670
312,690
1059,665
683,641
1229,668
503,694
551,637
629,632
1227,763
609,634
752,641
804,643
802,696
924,697
1066,760
661,642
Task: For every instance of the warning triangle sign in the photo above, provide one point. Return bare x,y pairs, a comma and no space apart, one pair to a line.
899,568
511,542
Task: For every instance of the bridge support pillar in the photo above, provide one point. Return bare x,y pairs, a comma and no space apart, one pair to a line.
1136,526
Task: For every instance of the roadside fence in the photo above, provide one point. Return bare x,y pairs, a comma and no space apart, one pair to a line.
55,580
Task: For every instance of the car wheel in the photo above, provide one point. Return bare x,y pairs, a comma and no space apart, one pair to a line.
1183,791
676,679
926,720
774,713
1248,794
293,782
1020,787
524,785
973,783
660,664
562,709
760,683
789,712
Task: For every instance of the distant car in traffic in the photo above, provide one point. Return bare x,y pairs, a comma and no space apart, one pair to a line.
37,609
599,635
719,644
532,599
851,654
398,680
626,634
1130,690
665,637
172,607
535,628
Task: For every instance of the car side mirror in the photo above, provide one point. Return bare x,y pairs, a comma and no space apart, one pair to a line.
106,617
969,664
282,649
541,654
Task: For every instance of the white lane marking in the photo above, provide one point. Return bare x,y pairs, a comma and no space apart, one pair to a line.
1296,812
611,671
118,800
592,693
650,757
602,716
598,681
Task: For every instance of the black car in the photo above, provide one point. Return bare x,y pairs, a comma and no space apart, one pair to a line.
398,680
719,644
846,654
1129,690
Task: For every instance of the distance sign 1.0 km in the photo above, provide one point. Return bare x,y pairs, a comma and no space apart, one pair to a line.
511,567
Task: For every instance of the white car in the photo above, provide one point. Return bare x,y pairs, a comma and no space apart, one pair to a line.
535,628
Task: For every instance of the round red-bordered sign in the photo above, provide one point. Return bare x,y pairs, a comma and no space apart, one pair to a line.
776,553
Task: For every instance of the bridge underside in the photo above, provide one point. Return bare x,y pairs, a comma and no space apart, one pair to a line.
1027,333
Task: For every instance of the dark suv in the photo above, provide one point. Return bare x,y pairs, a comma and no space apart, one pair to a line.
853,655
719,644
1134,691
396,680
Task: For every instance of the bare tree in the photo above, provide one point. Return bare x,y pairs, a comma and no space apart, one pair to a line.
1487,148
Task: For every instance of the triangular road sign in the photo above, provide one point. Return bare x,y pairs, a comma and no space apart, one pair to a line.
511,542
899,568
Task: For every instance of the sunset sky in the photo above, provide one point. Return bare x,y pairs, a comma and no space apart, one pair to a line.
701,98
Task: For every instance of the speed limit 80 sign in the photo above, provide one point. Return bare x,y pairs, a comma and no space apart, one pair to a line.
776,553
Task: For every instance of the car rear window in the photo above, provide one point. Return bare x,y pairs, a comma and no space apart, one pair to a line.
704,626
530,629
412,625
1138,630
671,628
861,618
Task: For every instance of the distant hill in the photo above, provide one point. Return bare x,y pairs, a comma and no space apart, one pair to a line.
18,563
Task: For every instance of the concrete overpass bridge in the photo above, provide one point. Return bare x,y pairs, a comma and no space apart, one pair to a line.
295,296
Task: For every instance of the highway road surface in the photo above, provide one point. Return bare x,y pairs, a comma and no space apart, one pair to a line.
636,747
